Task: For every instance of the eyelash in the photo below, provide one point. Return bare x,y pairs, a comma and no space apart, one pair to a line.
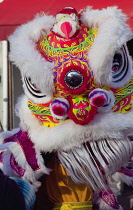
32,89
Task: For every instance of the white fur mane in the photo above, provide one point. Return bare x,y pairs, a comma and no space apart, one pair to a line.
113,32
27,58
68,135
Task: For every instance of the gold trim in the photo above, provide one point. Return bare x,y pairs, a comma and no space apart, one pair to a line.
87,205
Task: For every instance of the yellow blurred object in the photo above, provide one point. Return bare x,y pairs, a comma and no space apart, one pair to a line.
66,207
64,193
74,205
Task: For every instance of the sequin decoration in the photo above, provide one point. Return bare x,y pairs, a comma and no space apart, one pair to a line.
42,112
109,198
68,54
52,46
123,98
81,111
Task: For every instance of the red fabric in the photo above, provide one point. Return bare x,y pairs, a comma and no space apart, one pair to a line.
66,28
81,116
17,12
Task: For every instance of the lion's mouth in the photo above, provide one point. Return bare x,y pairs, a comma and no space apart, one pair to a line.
98,160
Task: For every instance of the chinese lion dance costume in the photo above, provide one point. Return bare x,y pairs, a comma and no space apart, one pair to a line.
77,77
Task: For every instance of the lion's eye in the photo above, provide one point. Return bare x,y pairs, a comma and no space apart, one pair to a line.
117,61
119,65
32,88
73,79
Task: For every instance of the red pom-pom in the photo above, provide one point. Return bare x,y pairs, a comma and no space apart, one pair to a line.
58,110
99,101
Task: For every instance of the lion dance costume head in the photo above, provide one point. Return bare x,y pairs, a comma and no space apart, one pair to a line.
78,81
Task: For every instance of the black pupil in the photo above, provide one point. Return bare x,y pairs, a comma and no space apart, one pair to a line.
32,83
74,79
117,58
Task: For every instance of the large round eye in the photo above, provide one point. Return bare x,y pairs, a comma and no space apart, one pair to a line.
73,79
32,88
120,65
117,61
